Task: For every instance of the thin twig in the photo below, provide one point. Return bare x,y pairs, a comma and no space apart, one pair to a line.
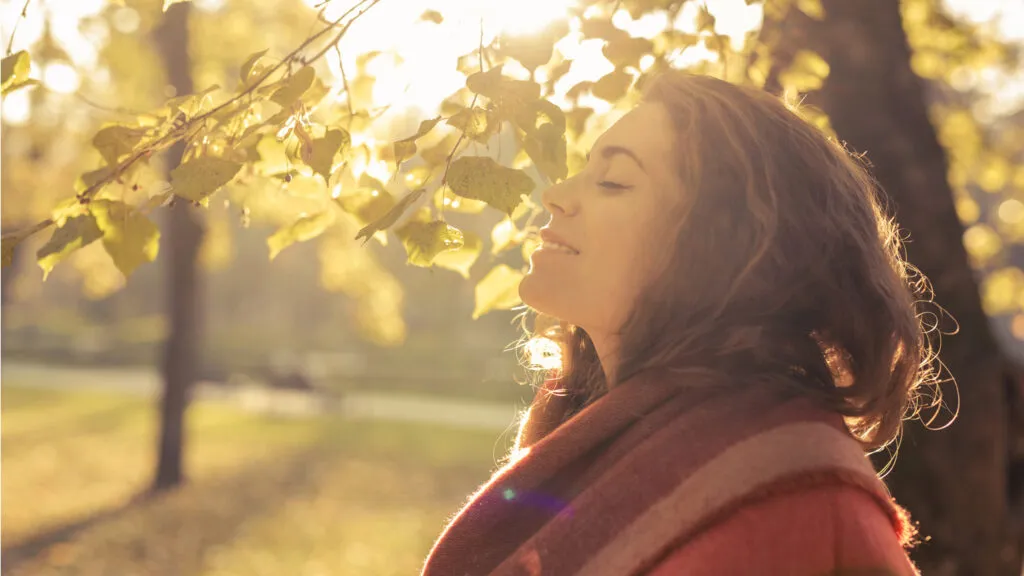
22,16
472,105
344,84
173,135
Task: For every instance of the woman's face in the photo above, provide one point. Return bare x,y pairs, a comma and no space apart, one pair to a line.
610,232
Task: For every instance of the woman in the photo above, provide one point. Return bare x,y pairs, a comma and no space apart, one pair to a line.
737,327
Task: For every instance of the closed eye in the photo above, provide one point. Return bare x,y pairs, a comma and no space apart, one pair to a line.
612,185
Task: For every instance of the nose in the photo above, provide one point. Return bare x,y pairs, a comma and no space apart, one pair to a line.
559,199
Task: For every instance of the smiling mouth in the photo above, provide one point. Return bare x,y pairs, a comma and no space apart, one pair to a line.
551,246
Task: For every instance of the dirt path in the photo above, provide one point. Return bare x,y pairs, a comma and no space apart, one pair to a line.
355,404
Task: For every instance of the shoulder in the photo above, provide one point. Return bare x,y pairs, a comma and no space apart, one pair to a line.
816,530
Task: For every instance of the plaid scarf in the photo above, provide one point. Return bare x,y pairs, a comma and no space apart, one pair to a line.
642,470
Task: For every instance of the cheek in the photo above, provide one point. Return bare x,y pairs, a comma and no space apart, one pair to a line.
629,262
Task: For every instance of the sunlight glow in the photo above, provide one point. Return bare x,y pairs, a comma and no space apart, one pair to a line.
16,108
543,353
60,77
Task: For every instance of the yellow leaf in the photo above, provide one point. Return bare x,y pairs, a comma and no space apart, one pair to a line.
812,8
406,147
113,142
303,229
424,239
481,178
388,219
321,158
535,49
461,259
446,200
432,16
169,3
502,90
807,72
417,176
612,86
76,233
498,290
546,148
14,70
200,177
249,65
477,124
293,87
627,51
705,20
130,238
503,236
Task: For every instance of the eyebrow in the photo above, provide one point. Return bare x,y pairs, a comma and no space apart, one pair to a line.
609,151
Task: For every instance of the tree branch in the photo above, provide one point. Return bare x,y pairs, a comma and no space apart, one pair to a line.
178,132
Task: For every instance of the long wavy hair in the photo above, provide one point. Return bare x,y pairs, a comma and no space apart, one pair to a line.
786,268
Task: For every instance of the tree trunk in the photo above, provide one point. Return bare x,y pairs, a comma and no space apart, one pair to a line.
182,239
954,481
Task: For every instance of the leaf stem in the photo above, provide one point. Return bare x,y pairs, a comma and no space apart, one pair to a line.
14,30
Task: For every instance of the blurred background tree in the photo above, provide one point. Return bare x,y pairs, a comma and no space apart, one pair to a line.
426,128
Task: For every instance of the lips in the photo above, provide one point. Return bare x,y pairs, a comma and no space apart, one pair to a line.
553,241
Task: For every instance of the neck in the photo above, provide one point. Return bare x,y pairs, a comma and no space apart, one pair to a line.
607,348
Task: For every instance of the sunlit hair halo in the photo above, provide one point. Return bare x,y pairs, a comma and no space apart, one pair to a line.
810,288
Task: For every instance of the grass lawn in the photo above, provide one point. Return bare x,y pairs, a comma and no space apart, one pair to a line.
265,495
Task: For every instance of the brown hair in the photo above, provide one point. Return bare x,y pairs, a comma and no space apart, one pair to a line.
786,269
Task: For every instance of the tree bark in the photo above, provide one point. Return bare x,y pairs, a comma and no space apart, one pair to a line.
182,239
954,481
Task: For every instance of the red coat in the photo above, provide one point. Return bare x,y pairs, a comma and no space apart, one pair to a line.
827,530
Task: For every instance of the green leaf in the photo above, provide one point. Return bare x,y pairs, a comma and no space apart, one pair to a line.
293,87
303,229
113,142
321,159
481,178
130,238
477,124
406,147
14,70
461,259
498,290
200,177
546,147
247,67
388,219
612,86
424,239
76,233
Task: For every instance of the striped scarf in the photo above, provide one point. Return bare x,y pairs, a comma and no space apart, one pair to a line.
642,470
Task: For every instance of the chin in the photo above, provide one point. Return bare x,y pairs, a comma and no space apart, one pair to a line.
537,292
